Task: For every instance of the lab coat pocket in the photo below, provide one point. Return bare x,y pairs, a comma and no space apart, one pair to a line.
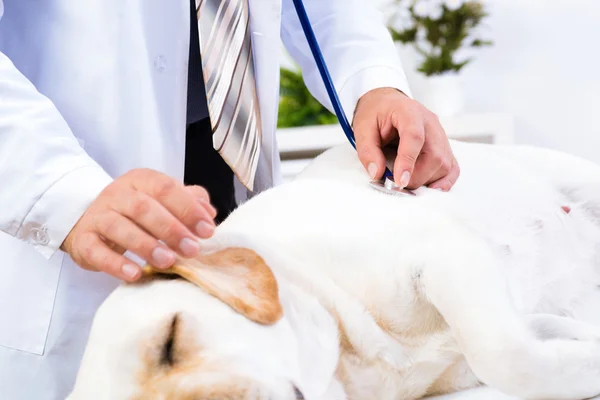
28,288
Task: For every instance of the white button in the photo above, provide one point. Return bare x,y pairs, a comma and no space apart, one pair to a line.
34,232
160,63
40,236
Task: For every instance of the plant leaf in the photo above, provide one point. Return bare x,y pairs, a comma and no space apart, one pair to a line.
297,106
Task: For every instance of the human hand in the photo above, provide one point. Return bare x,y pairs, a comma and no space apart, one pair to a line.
424,155
133,213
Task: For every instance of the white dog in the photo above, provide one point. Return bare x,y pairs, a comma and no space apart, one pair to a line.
325,288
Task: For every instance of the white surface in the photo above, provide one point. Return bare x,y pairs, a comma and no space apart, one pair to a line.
482,393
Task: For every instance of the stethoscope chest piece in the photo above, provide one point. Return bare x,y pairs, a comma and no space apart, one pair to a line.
388,186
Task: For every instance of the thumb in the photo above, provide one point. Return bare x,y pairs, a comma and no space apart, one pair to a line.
370,154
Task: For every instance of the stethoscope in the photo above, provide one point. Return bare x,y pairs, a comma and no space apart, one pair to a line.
386,184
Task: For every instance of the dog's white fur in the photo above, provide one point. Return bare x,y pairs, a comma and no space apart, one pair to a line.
389,297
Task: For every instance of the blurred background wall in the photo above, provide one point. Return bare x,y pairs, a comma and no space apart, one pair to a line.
543,69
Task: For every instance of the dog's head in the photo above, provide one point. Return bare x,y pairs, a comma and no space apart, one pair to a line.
211,327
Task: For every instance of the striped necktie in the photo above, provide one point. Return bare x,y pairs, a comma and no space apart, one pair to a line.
228,70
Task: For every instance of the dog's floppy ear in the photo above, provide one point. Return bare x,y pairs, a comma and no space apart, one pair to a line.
237,276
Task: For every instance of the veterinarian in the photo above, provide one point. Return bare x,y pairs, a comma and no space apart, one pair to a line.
108,107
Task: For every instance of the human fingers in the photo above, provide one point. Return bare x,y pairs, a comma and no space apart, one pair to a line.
178,201
368,146
92,253
412,138
447,182
150,215
126,217
426,166
437,147
123,234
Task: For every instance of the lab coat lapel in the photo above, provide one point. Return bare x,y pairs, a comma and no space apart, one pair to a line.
265,24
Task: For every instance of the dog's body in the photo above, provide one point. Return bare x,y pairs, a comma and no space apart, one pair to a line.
383,297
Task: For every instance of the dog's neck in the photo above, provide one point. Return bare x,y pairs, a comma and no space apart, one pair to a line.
316,329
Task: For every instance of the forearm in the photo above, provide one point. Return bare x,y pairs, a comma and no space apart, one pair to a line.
47,179
356,45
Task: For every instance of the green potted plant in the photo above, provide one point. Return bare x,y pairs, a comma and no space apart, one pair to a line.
443,33
297,107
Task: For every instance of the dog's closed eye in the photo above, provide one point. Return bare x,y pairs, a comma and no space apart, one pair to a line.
168,350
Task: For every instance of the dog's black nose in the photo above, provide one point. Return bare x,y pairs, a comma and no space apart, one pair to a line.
299,395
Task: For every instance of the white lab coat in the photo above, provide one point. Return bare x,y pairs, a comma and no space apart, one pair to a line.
92,89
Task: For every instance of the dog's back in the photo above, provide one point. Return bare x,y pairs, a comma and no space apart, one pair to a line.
536,223
361,253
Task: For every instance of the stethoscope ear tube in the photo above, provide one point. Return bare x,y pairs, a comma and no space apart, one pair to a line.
327,81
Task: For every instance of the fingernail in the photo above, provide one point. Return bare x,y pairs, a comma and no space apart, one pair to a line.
163,257
204,229
189,247
372,169
130,270
404,179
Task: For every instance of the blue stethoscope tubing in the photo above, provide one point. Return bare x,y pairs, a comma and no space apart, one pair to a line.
327,81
